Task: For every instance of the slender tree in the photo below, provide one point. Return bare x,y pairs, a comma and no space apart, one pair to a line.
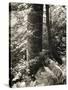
52,48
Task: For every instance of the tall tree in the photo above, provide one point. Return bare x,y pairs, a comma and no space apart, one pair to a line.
34,27
52,48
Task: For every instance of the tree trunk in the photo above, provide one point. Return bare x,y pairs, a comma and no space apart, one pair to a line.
48,24
34,27
52,48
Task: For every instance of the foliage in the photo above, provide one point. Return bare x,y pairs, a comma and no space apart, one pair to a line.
19,34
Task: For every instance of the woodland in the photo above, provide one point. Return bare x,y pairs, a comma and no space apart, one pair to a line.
37,45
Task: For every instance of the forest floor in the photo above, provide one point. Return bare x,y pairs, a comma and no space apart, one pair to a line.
53,74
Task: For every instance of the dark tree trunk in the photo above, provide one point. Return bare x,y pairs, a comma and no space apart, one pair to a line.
35,21
52,48
48,23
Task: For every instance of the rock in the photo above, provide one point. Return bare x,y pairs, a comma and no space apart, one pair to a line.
45,77
19,85
22,84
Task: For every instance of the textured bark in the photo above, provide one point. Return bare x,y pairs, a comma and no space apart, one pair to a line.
48,24
35,21
52,48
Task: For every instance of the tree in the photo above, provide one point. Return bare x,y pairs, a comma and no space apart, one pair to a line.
34,27
52,48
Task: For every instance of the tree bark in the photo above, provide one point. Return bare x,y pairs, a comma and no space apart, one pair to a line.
52,48
48,26
34,27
